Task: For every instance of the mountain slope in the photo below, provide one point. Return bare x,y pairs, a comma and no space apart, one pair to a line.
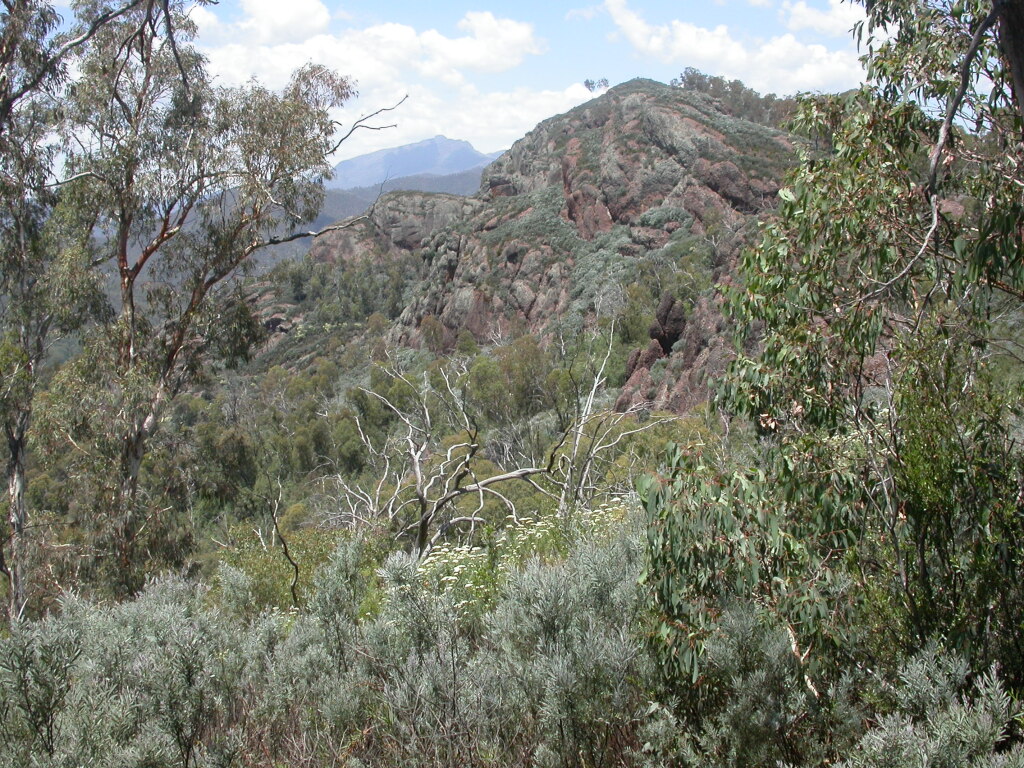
632,206
343,203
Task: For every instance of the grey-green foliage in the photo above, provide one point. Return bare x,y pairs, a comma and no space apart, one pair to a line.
541,223
565,643
755,704
385,668
35,664
148,682
172,666
341,588
552,675
940,720
762,711
599,275
404,666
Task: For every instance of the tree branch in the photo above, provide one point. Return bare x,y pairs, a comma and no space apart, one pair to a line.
954,103
361,123
284,547
53,61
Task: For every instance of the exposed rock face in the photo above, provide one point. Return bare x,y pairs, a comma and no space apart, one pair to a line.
669,322
407,220
397,221
698,356
629,185
643,146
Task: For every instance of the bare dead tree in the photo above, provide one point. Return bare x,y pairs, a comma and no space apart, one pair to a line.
420,478
590,441
419,482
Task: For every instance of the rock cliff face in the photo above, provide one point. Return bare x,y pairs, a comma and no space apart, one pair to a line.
647,190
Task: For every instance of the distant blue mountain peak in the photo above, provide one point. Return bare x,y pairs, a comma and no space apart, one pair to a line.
439,156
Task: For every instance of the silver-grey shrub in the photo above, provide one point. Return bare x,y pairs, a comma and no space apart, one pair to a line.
555,673
482,658
564,645
942,720
531,661
147,682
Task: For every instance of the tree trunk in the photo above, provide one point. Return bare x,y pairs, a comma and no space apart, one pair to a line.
134,444
1011,42
126,526
423,533
124,529
133,449
17,515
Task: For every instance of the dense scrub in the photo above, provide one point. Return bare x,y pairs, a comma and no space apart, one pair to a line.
532,651
528,652
873,526
354,554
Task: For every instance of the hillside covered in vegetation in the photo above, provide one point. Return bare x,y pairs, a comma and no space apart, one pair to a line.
690,438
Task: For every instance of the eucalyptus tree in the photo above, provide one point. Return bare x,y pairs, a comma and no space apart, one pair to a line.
32,53
175,183
884,506
22,211
25,313
42,288
890,290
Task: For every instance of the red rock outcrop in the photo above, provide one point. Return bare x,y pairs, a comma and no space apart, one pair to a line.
631,181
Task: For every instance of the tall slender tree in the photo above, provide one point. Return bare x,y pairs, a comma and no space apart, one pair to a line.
26,316
38,291
178,182
141,173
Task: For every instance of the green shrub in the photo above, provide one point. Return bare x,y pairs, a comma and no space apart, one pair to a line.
258,566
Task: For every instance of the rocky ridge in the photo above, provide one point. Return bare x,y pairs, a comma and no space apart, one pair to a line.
645,191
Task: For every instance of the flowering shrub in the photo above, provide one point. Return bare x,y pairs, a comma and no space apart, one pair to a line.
474,575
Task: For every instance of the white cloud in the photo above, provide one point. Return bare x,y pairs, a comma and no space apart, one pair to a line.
761,3
490,45
508,115
389,61
371,57
675,41
837,21
384,52
587,13
205,20
786,65
287,21
782,64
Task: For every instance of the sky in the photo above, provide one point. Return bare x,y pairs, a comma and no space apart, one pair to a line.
488,72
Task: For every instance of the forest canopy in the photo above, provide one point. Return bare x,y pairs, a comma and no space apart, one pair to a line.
882,507
134,193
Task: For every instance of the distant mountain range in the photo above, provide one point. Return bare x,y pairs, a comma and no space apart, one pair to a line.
439,156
